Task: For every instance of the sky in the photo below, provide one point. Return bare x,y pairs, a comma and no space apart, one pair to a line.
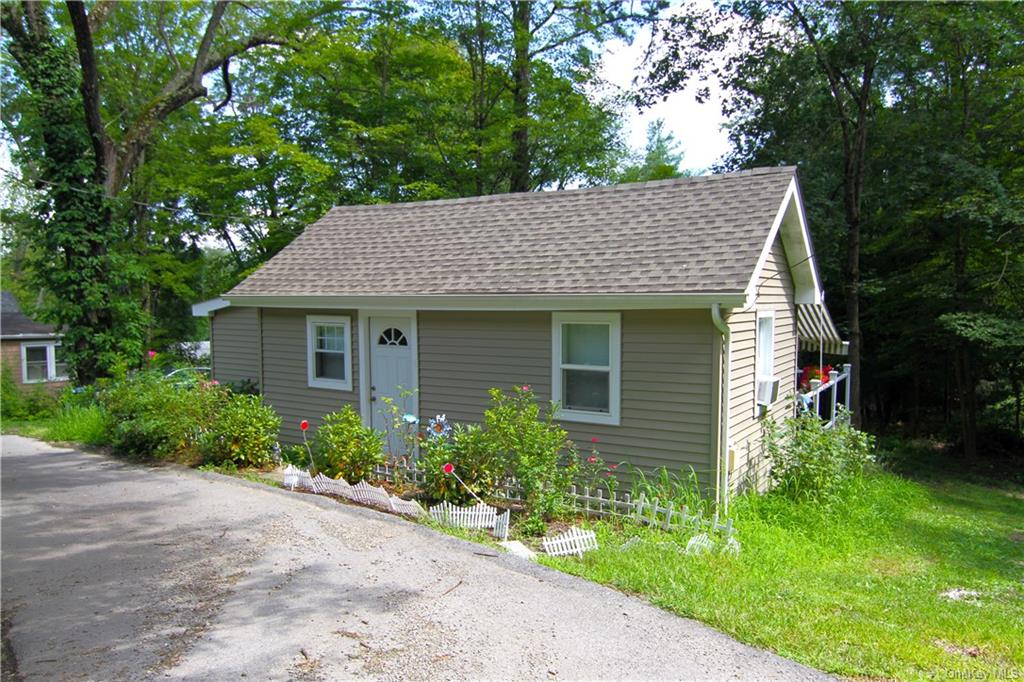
697,127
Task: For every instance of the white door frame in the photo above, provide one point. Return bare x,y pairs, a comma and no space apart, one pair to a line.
363,331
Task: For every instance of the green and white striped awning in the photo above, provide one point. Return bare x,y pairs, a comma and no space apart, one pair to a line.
817,331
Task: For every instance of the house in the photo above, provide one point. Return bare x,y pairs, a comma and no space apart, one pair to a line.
30,350
652,313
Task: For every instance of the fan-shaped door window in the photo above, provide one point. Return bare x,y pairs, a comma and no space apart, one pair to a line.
392,336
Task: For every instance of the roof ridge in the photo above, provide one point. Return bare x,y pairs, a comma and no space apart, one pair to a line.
622,186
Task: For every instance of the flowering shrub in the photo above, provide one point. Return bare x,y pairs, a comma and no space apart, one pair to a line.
594,472
245,433
532,445
811,372
469,452
812,462
344,447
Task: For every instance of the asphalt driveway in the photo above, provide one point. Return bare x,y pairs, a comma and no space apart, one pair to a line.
116,571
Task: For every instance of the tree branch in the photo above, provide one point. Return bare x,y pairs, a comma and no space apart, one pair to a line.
225,75
198,69
10,21
90,88
99,13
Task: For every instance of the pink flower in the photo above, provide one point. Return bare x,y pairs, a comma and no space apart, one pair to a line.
613,466
215,383
304,424
594,439
608,473
526,387
151,354
591,460
448,468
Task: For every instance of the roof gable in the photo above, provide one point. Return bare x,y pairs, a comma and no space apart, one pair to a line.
701,235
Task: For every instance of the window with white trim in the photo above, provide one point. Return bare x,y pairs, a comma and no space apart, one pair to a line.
585,376
42,361
329,351
764,361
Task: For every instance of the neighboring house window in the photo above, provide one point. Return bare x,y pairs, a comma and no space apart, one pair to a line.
329,351
43,361
765,360
585,374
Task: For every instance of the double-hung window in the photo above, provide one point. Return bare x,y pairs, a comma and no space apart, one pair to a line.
585,373
329,351
42,361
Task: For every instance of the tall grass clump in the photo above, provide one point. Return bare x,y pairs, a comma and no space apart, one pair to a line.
85,424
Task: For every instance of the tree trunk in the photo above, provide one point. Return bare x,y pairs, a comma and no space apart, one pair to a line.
965,375
520,176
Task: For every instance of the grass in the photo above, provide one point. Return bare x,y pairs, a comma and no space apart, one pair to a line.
855,588
85,425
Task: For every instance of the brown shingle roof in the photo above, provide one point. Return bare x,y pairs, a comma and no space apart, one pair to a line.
688,235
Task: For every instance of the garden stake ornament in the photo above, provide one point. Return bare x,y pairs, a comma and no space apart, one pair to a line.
303,426
449,468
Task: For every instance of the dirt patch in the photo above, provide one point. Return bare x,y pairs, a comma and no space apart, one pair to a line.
1016,537
950,648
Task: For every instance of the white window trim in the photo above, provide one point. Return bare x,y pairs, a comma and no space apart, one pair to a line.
51,361
319,382
759,409
614,321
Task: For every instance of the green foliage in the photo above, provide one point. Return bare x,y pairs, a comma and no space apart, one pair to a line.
661,158
244,432
533,445
811,462
344,447
23,402
470,450
681,489
152,417
85,424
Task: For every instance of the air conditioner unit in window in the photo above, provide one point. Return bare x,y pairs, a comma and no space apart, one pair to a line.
767,391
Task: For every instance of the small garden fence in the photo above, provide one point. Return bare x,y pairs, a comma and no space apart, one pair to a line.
597,504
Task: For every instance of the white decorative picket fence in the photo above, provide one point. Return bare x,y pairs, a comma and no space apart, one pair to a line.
573,541
479,516
596,503
360,493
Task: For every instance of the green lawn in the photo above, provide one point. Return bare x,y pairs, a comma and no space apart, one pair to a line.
856,589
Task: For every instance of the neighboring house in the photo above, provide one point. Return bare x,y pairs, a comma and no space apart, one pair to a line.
651,312
31,350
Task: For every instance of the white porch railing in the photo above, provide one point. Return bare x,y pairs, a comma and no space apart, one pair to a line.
826,395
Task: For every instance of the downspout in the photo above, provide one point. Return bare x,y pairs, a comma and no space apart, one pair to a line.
722,468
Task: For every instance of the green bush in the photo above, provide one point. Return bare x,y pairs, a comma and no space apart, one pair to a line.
244,433
533,445
23,402
345,447
152,417
809,461
470,451
86,424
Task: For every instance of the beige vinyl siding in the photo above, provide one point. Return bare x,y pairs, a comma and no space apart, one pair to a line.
666,410
775,292
234,343
286,387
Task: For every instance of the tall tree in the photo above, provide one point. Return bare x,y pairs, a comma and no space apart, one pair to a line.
84,153
841,43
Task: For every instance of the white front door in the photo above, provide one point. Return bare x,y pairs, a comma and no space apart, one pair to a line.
391,348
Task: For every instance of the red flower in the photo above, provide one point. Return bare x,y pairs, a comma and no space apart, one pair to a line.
613,466
526,387
303,424
608,473
448,468
151,354
592,460
594,439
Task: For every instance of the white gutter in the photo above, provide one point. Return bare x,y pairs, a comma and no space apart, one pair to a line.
722,468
